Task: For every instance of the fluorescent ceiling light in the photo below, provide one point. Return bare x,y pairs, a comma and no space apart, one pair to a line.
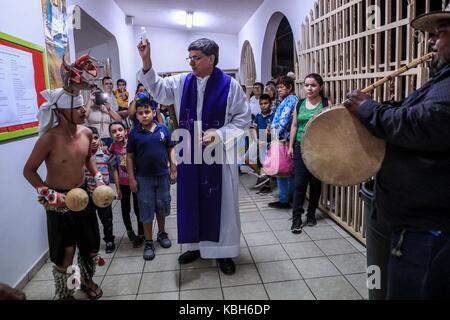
180,17
189,19
203,20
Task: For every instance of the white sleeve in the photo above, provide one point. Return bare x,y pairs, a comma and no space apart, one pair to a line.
163,90
238,117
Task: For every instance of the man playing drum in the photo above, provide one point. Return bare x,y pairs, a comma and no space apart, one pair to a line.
412,191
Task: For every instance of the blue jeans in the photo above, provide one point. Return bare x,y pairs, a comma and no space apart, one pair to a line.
422,270
153,197
285,188
378,251
302,178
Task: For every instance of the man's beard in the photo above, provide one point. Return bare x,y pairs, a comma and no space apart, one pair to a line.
437,65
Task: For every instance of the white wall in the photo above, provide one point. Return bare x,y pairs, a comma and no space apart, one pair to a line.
112,18
99,42
106,50
169,48
256,28
23,235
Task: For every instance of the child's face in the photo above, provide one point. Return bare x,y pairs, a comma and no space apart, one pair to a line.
145,115
74,115
117,133
95,142
121,86
265,106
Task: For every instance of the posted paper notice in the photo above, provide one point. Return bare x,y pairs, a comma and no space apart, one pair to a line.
18,100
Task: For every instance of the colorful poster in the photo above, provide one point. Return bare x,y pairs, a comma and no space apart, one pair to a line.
56,38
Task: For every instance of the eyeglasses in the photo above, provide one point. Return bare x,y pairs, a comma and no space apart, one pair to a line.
194,58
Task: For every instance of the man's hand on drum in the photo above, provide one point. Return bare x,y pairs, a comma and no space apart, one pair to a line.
355,99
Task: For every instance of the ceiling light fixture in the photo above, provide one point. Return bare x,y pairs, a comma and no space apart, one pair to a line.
189,19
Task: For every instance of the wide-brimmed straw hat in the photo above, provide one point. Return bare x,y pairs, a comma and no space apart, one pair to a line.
428,22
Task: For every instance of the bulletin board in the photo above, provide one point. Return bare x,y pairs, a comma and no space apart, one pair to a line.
23,75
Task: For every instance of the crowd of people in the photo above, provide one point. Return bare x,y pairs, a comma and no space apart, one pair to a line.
96,143
282,116
110,139
112,117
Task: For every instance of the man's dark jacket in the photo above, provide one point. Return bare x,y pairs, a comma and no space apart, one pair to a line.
413,185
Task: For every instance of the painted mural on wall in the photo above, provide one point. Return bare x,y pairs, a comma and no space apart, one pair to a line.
56,38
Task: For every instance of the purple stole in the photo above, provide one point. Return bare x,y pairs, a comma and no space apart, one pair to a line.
199,186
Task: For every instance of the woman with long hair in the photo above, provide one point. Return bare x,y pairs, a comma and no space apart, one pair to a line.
305,110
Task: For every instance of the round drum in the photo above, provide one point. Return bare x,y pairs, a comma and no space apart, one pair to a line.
338,150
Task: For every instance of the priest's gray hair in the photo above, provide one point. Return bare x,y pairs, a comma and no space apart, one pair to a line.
207,47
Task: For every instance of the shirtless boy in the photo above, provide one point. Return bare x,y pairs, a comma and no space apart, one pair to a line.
64,146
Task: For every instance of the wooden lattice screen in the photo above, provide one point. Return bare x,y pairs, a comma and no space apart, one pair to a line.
351,44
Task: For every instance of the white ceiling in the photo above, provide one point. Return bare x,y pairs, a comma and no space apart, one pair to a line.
221,16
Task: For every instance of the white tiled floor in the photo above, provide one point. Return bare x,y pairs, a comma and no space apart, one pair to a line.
323,262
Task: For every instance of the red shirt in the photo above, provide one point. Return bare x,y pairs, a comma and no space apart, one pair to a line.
121,161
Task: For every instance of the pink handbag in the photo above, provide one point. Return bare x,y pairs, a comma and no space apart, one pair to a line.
278,163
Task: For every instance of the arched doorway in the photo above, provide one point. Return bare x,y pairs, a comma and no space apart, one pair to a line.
101,44
248,69
283,56
279,52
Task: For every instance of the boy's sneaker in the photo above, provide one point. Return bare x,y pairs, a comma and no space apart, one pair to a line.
296,227
163,240
265,189
138,241
131,235
110,247
261,181
149,250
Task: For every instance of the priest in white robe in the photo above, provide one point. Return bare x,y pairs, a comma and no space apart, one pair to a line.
212,103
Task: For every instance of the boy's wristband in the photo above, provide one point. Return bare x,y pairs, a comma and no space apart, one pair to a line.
48,194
